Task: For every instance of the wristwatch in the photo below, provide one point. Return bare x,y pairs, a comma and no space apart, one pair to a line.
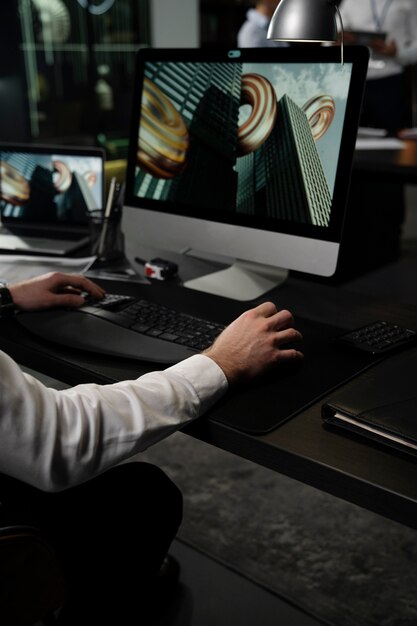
7,306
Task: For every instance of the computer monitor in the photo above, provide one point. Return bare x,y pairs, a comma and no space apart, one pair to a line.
245,154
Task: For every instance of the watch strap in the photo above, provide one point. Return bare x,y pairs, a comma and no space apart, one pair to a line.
7,306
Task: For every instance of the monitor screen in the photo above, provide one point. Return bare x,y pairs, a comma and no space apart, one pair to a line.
247,152
50,184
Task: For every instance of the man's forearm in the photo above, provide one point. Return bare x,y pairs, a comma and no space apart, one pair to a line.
55,439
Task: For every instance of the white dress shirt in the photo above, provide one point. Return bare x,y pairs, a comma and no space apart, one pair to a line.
253,32
397,18
56,439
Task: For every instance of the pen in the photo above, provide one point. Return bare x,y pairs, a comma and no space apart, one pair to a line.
107,213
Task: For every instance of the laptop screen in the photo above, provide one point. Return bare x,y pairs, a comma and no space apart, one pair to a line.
50,184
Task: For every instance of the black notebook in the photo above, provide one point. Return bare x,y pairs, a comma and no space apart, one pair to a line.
381,404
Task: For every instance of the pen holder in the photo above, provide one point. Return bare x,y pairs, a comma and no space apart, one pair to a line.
106,236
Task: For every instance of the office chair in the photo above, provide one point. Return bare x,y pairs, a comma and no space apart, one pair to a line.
31,582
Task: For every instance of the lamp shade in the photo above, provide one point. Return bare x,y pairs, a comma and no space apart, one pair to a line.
304,20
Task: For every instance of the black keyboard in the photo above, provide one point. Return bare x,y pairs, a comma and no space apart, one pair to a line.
380,337
126,327
156,320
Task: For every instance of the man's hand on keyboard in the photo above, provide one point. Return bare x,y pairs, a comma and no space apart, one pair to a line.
53,289
255,342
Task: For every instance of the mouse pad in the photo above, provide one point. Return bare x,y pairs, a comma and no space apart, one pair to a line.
264,404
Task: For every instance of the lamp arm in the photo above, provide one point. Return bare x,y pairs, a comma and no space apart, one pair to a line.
342,39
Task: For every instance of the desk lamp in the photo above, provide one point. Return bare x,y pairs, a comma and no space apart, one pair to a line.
306,21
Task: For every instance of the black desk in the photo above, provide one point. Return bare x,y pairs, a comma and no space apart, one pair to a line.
370,476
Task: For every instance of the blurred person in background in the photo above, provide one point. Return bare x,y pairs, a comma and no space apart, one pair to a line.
252,33
393,45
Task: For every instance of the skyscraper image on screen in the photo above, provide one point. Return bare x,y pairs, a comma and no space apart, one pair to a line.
267,165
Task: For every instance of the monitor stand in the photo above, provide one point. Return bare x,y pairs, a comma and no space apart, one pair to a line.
243,280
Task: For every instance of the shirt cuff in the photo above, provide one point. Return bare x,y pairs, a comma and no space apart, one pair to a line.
405,56
206,377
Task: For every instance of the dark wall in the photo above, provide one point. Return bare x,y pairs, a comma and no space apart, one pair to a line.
14,111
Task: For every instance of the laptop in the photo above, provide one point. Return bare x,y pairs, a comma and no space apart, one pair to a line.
46,195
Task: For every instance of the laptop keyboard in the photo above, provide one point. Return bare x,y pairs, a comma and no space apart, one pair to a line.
156,320
39,234
40,242
12,242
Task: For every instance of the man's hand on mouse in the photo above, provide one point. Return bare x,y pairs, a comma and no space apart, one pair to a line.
255,342
53,289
